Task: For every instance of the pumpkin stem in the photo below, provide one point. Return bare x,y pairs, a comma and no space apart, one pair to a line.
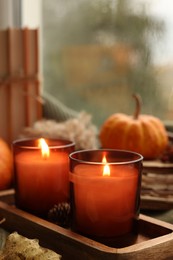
138,105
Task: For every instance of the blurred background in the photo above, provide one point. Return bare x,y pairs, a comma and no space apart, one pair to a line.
96,54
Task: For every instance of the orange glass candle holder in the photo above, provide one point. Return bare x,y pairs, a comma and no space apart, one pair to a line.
41,171
105,191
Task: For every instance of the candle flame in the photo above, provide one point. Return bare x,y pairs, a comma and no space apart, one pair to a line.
106,168
44,148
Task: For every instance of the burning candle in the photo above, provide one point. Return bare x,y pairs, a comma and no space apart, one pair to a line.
105,187
41,173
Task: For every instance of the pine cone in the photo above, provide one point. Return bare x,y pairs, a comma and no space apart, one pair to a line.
60,214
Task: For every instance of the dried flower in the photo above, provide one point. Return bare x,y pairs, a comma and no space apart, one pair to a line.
79,129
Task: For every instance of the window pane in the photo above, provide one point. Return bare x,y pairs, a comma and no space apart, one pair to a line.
98,53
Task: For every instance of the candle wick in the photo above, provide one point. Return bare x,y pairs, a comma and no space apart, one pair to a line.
45,157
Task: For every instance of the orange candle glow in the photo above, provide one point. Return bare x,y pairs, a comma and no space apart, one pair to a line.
105,196
41,174
106,168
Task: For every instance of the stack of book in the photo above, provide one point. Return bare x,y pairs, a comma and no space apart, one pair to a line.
157,185
19,81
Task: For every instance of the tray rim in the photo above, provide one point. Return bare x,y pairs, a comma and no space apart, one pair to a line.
77,237
76,240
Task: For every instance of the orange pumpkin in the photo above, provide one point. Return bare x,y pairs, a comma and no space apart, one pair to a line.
144,134
6,165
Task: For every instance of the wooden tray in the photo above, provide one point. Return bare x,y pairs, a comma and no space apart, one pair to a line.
152,238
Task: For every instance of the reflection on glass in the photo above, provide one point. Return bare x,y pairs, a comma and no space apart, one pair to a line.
97,53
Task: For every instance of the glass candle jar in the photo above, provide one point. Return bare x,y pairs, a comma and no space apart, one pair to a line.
41,169
105,191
